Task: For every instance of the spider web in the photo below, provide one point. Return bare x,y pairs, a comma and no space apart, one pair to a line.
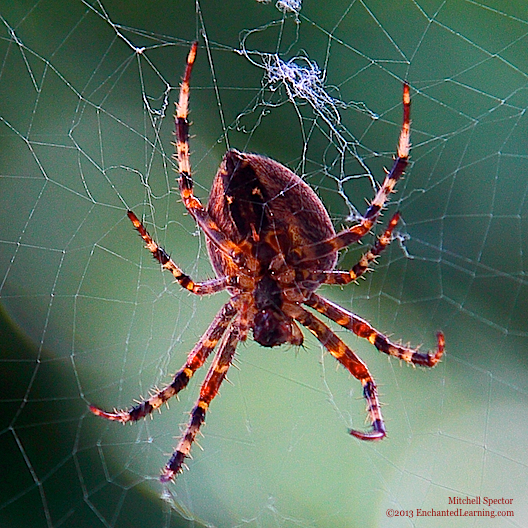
86,100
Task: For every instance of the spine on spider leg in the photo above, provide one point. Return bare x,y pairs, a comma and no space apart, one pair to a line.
400,163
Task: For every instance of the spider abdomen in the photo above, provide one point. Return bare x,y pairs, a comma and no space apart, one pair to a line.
264,207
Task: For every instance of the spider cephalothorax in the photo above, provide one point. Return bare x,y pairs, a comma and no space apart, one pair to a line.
272,244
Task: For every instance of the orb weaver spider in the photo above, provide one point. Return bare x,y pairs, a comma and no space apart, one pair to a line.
272,244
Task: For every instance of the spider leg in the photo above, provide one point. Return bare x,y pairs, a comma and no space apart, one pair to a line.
195,360
192,204
361,328
355,233
351,362
198,288
215,377
345,277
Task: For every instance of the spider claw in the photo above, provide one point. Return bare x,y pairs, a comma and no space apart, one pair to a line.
440,345
167,475
378,432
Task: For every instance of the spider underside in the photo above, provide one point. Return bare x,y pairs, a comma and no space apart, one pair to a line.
272,244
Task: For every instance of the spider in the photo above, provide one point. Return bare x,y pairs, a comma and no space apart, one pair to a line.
272,244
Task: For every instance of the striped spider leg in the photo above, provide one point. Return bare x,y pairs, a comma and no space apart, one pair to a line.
195,360
351,362
209,226
215,376
362,328
345,277
357,232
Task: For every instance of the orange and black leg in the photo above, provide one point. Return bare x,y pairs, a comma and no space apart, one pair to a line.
198,288
362,328
192,204
355,233
345,277
215,377
195,360
351,362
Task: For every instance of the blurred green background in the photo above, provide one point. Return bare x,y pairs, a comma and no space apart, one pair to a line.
86,97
